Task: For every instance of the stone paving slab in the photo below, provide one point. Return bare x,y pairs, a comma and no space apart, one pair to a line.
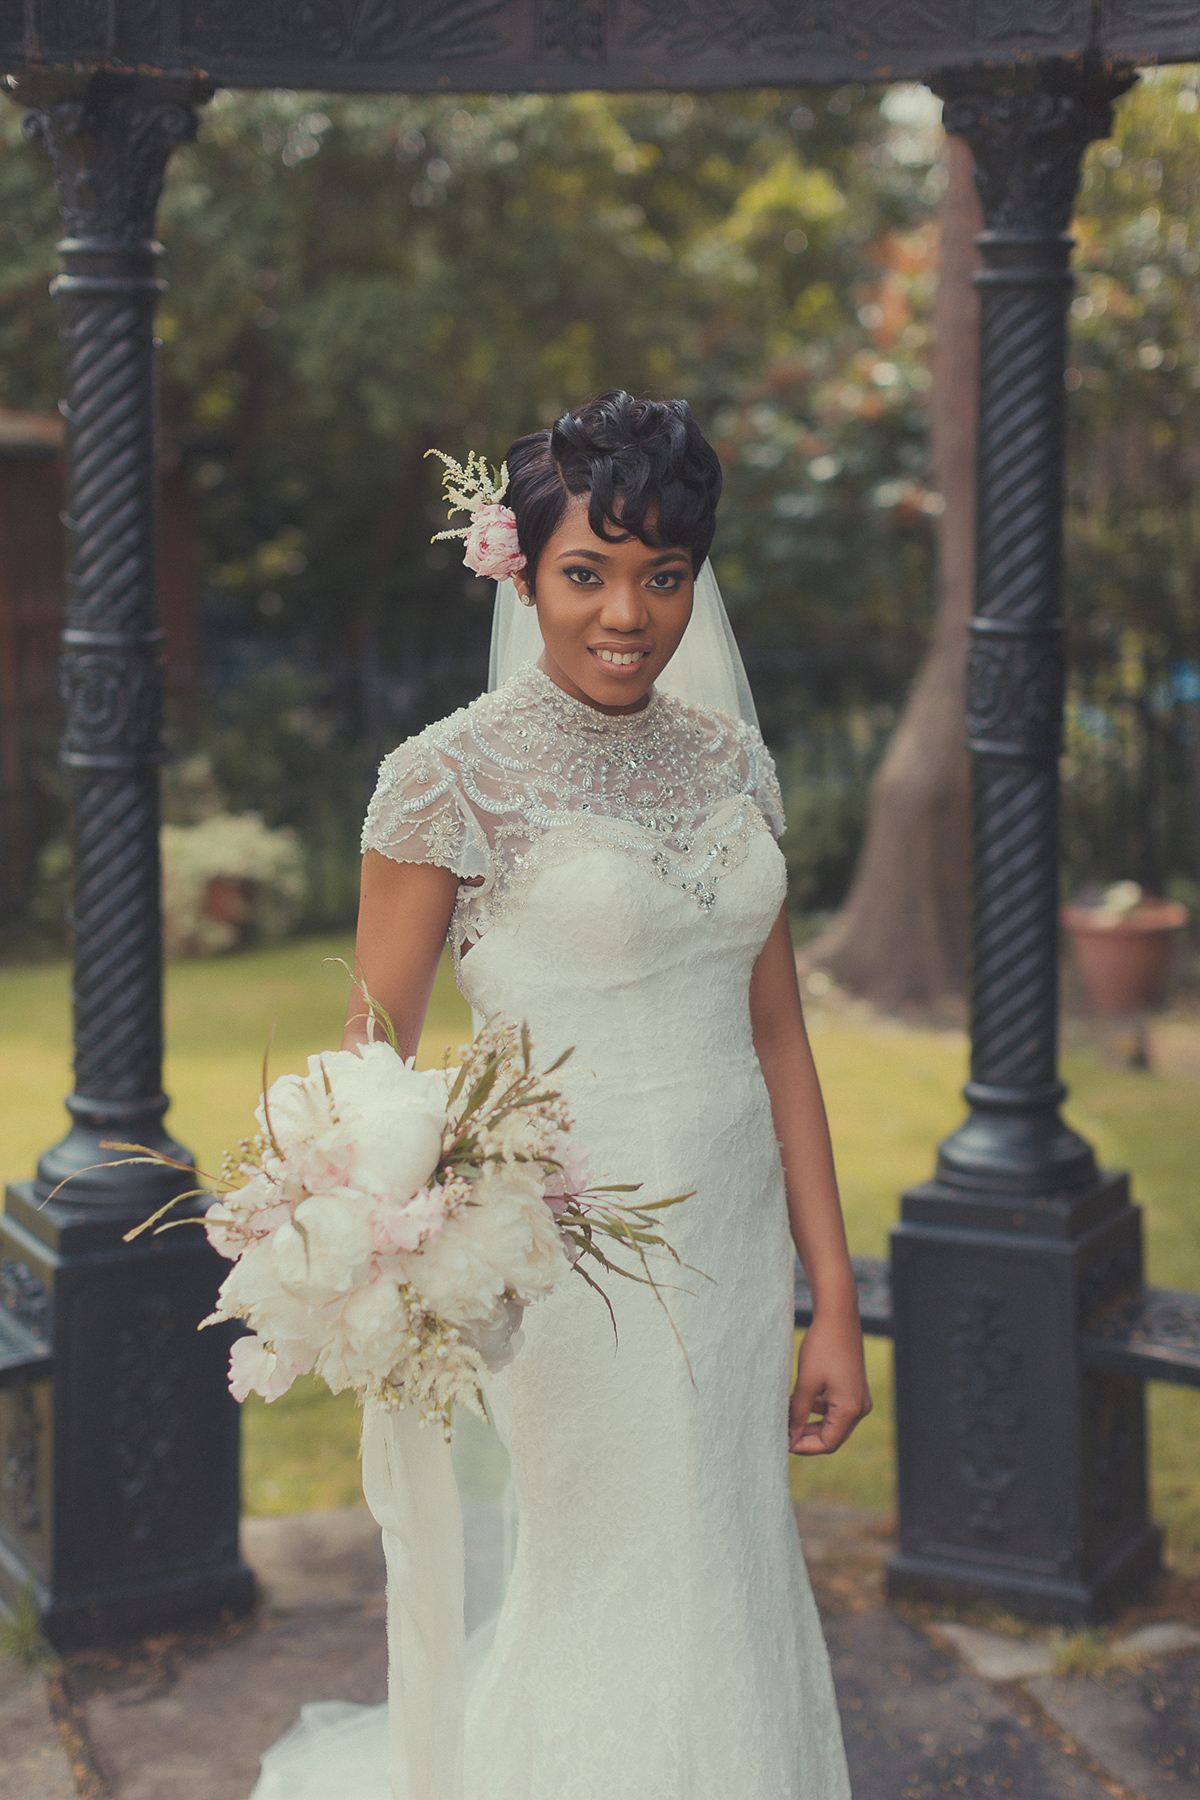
1141,1723
994,1656
33,1760
188,1717
918,1726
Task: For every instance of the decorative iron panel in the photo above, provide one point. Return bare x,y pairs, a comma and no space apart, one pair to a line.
471,45
1150,30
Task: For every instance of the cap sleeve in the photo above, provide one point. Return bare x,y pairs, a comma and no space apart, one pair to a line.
763,783
418,813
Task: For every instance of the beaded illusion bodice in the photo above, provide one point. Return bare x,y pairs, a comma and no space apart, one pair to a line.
526,776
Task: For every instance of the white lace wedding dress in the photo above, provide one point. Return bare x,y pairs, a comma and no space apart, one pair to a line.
658,1639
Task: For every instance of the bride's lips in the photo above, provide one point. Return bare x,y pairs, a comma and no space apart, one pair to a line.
604,653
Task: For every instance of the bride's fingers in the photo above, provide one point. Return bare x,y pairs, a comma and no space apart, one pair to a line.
819,1436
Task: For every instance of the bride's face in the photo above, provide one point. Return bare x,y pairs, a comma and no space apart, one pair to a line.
611,614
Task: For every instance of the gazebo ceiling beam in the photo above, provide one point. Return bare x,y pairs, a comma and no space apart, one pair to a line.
475,46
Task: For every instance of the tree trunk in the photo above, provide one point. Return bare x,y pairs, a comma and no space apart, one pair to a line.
901,937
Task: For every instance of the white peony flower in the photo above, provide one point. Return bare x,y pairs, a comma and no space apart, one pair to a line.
255,1369
407,1225
374,1323
507,1242
364,1119
325,1250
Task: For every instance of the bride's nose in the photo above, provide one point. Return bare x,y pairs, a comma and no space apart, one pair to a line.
624,608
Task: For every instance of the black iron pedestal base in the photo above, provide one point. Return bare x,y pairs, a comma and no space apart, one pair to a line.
119,1486
1021,1471
947,1582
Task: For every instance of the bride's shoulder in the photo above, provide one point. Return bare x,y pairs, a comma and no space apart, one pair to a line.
733,749
464,738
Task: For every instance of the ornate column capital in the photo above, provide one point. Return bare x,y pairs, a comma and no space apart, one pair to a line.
1027,140
108,143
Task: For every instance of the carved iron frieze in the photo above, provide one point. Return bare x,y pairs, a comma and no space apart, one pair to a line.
481,44
149,1416
1000,20
574,28
1168,30
985,1413
24,1298
672,28
350,30
20,1498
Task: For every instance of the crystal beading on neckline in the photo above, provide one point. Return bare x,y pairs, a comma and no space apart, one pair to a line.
528,775
578,715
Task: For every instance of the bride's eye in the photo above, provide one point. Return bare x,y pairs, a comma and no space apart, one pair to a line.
582,577
667,581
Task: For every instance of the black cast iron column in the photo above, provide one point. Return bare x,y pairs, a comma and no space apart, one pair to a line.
109,151
1021,1477
128,1511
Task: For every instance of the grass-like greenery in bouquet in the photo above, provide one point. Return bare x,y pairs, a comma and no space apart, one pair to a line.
388,1226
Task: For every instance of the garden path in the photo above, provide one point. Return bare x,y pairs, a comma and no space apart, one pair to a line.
185,1716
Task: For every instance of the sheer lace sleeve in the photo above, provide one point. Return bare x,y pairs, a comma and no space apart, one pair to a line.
418,812
763,782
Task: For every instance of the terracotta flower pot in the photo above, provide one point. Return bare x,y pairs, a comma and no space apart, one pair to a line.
1123,962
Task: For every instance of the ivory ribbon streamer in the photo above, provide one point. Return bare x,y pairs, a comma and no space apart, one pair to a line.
408,1480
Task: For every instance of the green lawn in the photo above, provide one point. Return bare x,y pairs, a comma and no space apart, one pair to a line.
892,1093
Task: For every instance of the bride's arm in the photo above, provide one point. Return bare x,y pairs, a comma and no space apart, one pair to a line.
830,1379
403,915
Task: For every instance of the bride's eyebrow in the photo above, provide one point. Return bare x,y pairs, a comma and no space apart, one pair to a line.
598,556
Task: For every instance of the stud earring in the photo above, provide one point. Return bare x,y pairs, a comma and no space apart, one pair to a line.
527,599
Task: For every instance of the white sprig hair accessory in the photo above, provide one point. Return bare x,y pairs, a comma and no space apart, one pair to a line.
491,548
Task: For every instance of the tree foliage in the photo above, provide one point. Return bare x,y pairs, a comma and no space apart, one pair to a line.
354,279
1133,521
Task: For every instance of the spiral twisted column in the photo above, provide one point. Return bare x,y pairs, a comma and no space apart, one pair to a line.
1020,1473
109,142
1027,142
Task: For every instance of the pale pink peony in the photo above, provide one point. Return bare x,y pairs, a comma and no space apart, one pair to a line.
255,1369
491,547
407,1227
573,1177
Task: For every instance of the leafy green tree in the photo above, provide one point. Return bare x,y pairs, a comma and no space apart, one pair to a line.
353,280
1133,804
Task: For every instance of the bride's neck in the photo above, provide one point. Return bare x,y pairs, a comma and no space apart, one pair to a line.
560,680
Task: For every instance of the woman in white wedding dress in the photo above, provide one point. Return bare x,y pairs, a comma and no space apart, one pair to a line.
602,856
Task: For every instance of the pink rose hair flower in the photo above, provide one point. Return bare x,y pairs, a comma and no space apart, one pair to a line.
491,548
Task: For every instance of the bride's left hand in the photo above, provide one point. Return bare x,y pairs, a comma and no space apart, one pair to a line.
831,1382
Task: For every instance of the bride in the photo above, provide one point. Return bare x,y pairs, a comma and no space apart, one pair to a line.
596,838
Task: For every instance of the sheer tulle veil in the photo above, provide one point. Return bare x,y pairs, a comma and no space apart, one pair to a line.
706,670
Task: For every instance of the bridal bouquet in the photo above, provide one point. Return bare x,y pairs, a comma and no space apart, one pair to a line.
388,1226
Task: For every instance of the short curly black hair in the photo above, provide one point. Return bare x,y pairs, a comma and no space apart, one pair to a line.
645,466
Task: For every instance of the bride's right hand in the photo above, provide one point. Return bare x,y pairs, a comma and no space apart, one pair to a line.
831,1382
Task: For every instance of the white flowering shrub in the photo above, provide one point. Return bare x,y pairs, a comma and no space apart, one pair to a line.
228,879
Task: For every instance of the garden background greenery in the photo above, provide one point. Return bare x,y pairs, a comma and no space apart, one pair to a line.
355,279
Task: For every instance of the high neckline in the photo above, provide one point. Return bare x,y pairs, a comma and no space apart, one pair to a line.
577,715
